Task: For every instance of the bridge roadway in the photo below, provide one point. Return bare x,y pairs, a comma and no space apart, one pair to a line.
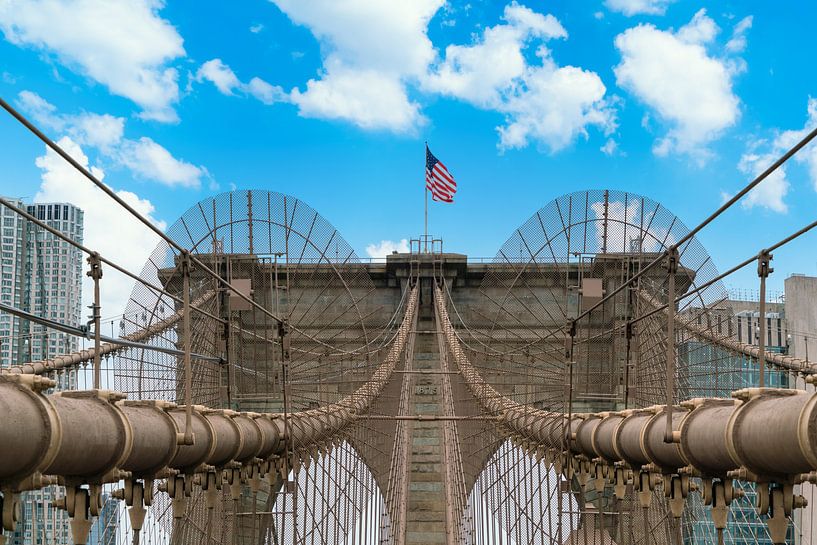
764,436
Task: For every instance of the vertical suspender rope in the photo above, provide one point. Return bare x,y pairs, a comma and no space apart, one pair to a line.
188,371
672,269
95,272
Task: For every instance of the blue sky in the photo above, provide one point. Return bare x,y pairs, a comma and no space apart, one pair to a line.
331,101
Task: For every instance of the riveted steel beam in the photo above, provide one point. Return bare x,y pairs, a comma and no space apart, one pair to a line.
55,434
764,435
96,436
134,339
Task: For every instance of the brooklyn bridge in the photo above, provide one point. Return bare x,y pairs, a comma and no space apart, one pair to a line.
589,384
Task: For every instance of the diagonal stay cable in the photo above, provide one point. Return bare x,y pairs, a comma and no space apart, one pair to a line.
760,177
41,224
108,191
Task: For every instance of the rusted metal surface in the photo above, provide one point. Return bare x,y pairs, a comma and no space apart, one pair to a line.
54,433
86,355
328,410
783,361
31,425
764,436
538,391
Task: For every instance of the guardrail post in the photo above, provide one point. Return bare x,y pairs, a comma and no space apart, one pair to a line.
571,340
95,272
764,269
671,264
184,264
284,334
628,333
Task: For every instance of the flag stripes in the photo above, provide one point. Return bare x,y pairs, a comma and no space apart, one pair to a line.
438,180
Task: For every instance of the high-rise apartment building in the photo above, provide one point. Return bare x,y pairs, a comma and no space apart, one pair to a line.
737,319
103,531
42,275
801,314
12,260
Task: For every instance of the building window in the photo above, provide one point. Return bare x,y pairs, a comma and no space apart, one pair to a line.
769,331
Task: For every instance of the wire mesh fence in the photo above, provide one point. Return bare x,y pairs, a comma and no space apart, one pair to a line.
570,316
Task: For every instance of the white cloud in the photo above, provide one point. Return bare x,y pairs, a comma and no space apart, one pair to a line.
482,73
367,98
102,131
371,50
40,109
737,44
256,28
110,230
700,30
543,102
636,7
265,92
645,120
225,80
761,153
395,32
143,157
366,77
771,191
221,75
386,247
641,235
149,160
123,44
610,148
557,107
808,155
673,74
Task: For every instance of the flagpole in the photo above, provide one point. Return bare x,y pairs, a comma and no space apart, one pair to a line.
426,225
425,237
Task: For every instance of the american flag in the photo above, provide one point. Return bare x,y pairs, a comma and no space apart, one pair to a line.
438,180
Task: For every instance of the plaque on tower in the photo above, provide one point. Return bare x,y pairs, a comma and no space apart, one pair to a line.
592,292
241,286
